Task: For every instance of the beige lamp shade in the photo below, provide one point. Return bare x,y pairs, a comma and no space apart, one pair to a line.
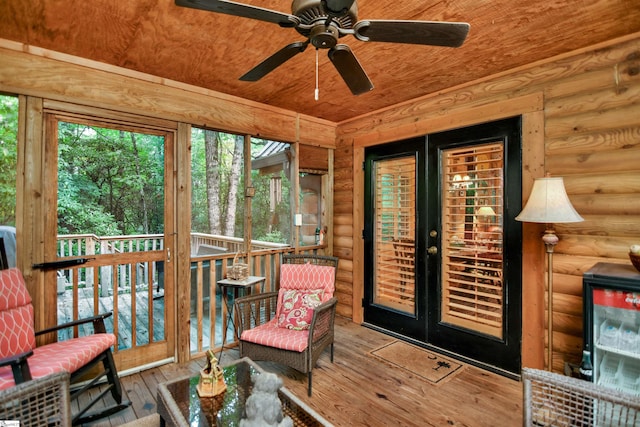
486,211
549,203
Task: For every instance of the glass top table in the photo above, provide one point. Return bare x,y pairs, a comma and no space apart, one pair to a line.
180,405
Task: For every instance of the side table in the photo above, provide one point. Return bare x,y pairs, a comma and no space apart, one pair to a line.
238,288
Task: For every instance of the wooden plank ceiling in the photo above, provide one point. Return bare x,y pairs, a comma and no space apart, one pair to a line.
213,50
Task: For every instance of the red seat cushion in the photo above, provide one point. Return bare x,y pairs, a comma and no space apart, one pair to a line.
69,356
271,335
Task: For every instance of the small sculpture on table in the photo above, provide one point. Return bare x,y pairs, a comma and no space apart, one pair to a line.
263,408
211,379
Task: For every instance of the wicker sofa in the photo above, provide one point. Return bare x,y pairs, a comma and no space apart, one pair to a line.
552,399
261,337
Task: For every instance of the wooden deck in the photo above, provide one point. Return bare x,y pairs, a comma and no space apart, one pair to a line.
359,390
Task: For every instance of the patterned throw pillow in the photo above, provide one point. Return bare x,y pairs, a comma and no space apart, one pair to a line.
296,310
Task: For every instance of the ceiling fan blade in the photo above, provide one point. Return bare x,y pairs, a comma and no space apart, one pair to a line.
448,34
242,10
337,7
350,69
274,61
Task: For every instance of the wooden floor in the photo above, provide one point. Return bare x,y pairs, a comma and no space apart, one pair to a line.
359,390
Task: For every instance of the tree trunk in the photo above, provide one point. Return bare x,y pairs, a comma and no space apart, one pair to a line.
143,202
234,182
211,143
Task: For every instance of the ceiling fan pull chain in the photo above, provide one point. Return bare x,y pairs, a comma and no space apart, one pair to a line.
317,91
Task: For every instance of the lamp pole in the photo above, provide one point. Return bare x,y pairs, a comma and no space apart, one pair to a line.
550,240
548,204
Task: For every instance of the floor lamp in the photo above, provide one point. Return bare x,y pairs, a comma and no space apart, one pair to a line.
549,204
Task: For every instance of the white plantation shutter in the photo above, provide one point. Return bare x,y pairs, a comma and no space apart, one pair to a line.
472,258
394,233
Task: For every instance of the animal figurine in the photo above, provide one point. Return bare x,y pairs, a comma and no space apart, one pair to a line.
263,408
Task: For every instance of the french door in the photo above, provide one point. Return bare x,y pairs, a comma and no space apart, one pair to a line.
443,248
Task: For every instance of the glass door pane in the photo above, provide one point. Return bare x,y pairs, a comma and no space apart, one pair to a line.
394,233
472,258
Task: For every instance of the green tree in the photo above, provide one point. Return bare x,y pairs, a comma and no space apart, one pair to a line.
109,181
8,158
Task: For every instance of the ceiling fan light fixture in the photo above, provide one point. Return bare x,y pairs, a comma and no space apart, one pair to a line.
324,37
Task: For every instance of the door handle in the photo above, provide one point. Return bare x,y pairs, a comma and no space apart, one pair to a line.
433,250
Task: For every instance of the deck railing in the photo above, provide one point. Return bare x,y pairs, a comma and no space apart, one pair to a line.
87,290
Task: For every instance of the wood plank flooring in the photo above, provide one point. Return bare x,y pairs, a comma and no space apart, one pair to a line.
359,390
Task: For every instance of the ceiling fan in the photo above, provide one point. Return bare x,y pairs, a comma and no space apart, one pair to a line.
324,22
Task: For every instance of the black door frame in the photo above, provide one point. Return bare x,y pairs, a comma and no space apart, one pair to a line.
424,329
404,324
499,355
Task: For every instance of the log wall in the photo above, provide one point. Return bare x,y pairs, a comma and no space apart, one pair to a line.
587,131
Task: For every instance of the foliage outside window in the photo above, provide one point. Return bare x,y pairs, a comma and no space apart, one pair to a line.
217,190
8,158
110,182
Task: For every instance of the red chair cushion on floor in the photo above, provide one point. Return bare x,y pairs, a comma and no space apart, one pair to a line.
69,355
271,335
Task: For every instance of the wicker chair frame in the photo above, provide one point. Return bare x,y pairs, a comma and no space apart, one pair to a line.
40,402
256,310
552,399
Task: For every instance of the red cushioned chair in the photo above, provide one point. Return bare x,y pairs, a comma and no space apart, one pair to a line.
294,325
21,360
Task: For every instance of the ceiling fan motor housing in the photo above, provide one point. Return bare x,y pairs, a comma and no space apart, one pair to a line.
311,12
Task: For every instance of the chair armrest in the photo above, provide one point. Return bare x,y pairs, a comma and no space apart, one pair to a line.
254,310
98,324
19,366
16,358
323,320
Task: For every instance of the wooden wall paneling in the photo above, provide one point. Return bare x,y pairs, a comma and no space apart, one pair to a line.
315,131
514,83
295,188
30,204
592,128
342,244
327,203
35,72
612,160
533,255
455,118
182,259
313,157
568,284
49,197
568,324
590,136
358,227
174,179
592,225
